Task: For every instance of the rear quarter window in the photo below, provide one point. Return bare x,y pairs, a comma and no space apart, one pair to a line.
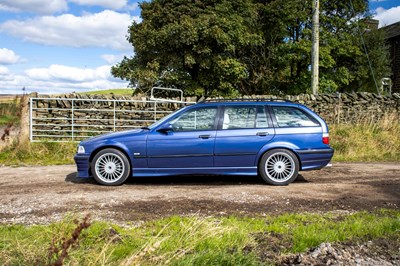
293,117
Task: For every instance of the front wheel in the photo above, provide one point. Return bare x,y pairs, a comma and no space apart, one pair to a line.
279,167
110,167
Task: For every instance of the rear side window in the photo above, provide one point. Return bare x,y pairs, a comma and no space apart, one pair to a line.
242,117
293,117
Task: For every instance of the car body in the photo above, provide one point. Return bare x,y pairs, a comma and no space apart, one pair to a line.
275,139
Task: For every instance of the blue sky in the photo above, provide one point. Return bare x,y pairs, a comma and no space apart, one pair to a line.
57,46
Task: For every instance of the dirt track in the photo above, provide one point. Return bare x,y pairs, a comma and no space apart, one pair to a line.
42,194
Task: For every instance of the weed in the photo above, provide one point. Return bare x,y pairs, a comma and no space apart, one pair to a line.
61,252
6,131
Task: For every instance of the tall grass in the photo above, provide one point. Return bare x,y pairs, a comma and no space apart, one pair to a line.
192,240
367,141
10,111
37,153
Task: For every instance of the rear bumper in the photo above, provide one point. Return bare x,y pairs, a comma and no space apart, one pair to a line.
314,159
82,165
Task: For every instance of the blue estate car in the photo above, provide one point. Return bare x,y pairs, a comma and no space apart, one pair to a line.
275,139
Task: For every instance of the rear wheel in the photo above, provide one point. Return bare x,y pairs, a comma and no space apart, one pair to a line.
279,167
110,167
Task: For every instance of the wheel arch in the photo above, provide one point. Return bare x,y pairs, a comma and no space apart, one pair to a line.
109,146
290,147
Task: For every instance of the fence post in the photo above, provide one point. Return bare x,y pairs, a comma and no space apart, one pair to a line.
114,115
155,111
30,120
72,119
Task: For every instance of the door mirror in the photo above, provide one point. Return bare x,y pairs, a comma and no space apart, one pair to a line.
165,128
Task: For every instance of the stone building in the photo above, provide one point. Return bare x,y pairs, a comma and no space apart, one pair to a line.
393,38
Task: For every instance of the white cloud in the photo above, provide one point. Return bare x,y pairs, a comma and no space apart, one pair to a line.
112,58
59,79
34,6
112,4
107,29
387,16
69,74
8,56
4,71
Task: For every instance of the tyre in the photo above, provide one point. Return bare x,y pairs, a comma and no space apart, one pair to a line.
279,167
110,167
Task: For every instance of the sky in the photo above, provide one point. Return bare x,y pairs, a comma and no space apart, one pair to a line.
62,46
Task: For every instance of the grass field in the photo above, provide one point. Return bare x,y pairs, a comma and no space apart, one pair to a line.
190,240
122,92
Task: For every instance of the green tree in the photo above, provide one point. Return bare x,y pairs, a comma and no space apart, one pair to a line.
343,62
195,45
228,48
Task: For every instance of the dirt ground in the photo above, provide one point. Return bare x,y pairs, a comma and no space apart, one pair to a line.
41,194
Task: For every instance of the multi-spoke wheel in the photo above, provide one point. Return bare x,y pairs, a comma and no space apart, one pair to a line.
110,167
279,167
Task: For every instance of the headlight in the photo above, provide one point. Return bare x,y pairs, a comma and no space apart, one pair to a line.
81,149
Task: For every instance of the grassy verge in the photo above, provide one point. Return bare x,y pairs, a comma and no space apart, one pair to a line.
367,142
37,153
188,240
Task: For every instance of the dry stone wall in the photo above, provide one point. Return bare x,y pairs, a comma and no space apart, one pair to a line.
347,108
54,115
351,108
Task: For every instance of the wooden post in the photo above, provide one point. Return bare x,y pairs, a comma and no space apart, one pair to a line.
315,48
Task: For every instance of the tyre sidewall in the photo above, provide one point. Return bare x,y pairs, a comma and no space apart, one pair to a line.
267,179
127,167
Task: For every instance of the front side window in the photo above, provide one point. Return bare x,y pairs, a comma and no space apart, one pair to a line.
241,117
293,117
195,119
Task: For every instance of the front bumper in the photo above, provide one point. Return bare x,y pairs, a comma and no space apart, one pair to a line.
82,165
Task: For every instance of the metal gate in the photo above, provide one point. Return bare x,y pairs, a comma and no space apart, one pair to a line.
74,119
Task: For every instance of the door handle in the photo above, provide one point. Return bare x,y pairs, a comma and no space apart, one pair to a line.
204,136
262,134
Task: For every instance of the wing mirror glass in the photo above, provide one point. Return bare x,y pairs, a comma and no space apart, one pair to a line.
165,128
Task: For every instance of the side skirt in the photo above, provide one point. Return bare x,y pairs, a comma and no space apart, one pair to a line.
252,171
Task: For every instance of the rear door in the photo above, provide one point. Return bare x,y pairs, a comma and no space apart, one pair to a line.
245,129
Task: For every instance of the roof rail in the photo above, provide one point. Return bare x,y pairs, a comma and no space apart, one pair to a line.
244,100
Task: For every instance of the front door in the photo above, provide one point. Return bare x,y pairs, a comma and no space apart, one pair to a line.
189,144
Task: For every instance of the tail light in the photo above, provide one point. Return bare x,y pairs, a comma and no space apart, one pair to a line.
325,138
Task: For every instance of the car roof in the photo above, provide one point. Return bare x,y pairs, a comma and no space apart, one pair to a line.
248,102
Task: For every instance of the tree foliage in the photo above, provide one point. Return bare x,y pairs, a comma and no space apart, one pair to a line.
223,47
